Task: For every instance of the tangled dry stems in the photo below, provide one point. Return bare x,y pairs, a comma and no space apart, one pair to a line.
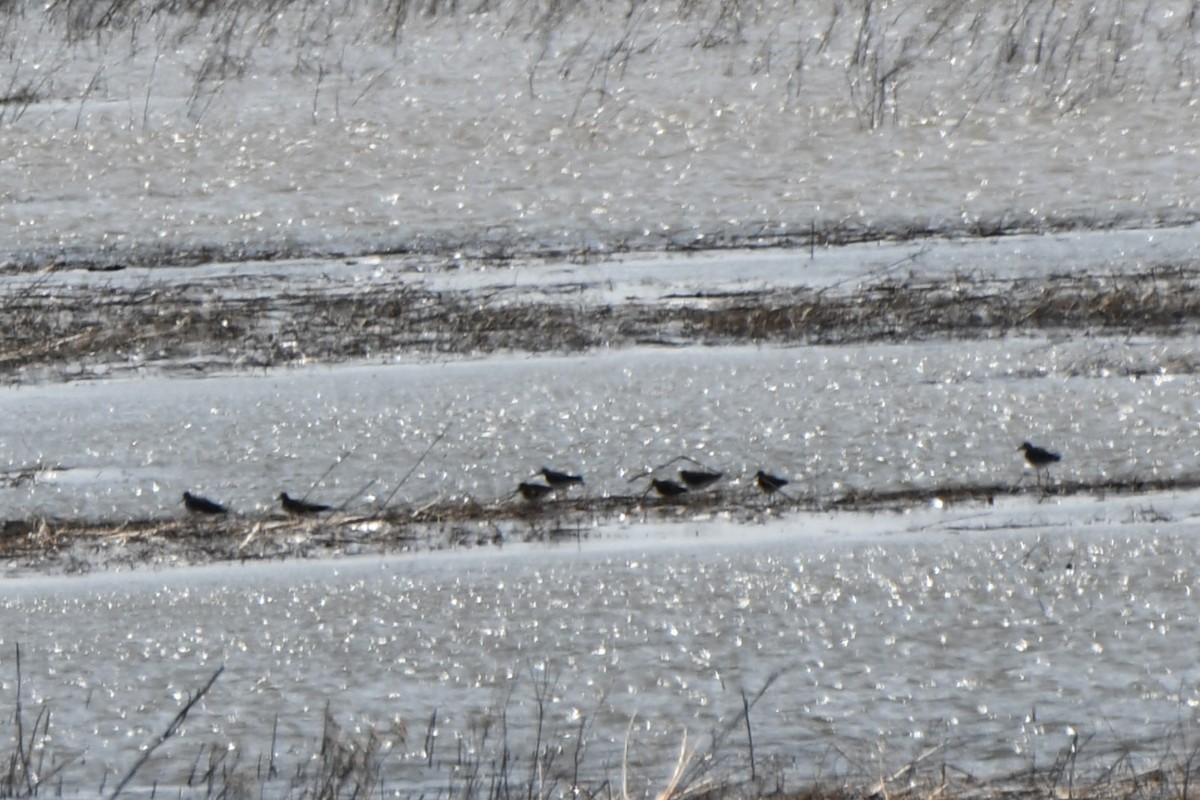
70,331
493,765
79,546
1068,56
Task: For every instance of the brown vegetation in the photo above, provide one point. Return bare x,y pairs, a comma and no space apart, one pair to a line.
79,546
369,760
56,330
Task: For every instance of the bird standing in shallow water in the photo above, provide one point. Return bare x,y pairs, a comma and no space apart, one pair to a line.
533,492
300,508
769,484
202,505
560,480
1040,459
667,488
699,478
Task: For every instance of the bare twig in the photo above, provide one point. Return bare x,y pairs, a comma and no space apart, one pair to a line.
749,734
170,731
325,474
414,467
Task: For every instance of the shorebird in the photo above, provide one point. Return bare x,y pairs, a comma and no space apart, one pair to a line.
533,492
667,488
769,483
300,508
202,505
698,478
1040,459
560,480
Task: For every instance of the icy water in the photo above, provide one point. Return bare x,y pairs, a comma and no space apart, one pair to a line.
989,650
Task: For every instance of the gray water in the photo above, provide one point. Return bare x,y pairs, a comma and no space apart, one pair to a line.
994,649
833,419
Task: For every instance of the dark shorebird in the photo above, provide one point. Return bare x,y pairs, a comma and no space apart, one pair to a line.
769,483
300,508
699,478
1039,459
533,492
667,488
202,505
560,480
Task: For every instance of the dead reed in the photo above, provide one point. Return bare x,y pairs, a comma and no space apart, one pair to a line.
518,749
66,331
80,546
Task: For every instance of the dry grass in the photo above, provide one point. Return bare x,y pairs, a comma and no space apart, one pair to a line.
67,330
501,758
915,308
52,330
80,546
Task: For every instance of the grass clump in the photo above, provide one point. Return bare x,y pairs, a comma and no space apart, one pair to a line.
516,750
68,330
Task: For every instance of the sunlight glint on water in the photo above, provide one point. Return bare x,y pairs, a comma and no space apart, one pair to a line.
992,647
832,419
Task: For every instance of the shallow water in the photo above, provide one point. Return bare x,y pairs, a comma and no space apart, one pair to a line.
989,647
831,418
873,649
504,129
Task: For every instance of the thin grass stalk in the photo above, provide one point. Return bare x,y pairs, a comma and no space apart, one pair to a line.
336,462
430,737
749,735
169,732
22,758
425,454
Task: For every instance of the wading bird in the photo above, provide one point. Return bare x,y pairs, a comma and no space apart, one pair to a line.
560,480
769,483
698,478
1039,459
667,488
202,505
533,492
300,508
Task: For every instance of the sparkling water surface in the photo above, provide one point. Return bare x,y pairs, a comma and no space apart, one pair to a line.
990,649
831,418
993,648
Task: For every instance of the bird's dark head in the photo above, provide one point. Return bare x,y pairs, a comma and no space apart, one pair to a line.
1026,446
284,496
187,496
